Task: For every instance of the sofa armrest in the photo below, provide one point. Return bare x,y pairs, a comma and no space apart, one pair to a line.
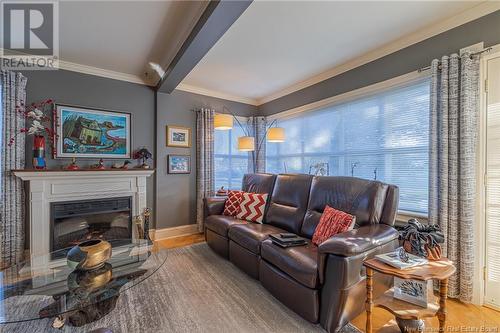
357,241
213,205
344,274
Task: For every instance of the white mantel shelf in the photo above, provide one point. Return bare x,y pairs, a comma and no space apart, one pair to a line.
48,186
31,174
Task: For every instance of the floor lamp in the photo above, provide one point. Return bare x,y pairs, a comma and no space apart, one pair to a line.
225,121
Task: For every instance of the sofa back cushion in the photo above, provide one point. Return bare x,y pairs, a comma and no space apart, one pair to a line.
289,202
391,205
258,183
362,198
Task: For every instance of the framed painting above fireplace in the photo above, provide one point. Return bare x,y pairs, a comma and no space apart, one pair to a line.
92,133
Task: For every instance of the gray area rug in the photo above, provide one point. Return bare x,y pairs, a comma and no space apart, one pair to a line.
194,291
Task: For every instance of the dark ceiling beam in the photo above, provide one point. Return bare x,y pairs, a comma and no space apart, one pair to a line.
213,23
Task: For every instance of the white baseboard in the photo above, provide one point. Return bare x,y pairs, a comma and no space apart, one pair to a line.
183,230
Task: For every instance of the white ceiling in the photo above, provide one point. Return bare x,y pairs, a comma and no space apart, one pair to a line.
124,36
275,45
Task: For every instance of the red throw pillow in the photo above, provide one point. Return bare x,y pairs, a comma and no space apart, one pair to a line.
252,207
332,222
232,205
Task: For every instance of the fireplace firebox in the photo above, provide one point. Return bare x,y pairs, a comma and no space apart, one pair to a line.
72,222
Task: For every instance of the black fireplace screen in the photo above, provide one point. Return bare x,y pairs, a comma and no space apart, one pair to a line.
75,221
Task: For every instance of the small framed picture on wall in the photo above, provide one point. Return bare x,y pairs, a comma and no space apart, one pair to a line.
178,136
179,164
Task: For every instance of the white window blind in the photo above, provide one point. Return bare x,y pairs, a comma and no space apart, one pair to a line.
230,163
382,136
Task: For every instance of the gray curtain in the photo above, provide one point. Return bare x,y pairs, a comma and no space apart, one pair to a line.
205,180
12,157
454,118
257,160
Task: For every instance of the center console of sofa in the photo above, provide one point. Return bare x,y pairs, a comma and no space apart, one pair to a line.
323,283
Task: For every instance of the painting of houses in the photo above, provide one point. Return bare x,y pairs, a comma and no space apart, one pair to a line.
92,133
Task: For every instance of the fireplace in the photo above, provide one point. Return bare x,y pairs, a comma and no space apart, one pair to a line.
72,222
61,186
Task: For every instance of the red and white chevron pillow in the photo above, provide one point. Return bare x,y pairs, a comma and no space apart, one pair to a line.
252,207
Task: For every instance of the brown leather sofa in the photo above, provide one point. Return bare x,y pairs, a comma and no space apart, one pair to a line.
322,284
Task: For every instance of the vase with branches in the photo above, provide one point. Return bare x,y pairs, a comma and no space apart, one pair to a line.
38,118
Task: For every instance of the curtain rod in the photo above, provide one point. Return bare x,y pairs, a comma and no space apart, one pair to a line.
488,49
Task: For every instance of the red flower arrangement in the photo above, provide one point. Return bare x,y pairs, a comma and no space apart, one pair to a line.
39,118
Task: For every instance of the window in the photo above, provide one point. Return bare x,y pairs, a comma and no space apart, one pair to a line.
382,136
230,163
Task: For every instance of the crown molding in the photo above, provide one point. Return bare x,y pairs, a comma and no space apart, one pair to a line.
74,67
471,14
212,93
84,69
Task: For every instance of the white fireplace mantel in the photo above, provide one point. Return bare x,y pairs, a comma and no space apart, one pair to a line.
47,186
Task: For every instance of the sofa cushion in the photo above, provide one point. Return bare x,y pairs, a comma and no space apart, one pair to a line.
220,224
299,262
359,197
258,183
390,206
289,202
250,235
361,240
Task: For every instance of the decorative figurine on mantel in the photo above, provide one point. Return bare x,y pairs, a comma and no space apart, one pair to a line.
73,166
124,165
145,155
99,166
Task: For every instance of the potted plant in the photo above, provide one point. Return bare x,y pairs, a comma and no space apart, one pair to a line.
144,154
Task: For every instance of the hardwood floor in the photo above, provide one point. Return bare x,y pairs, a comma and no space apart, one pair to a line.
462,318
180,241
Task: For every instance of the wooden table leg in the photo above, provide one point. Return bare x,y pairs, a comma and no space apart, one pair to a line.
369,299
443,294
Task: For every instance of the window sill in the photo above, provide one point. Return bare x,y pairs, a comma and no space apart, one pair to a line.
403,216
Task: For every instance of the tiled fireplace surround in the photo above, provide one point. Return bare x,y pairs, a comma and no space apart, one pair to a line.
46,187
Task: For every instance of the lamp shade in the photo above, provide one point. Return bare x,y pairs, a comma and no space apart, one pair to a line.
246,143
223,121
276,134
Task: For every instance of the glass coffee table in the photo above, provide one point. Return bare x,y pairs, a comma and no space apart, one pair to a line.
44,288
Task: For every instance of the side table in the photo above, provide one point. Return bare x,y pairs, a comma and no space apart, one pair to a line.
439,270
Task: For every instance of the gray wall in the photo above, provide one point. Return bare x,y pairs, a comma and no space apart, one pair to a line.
486,28
73,88
176,194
